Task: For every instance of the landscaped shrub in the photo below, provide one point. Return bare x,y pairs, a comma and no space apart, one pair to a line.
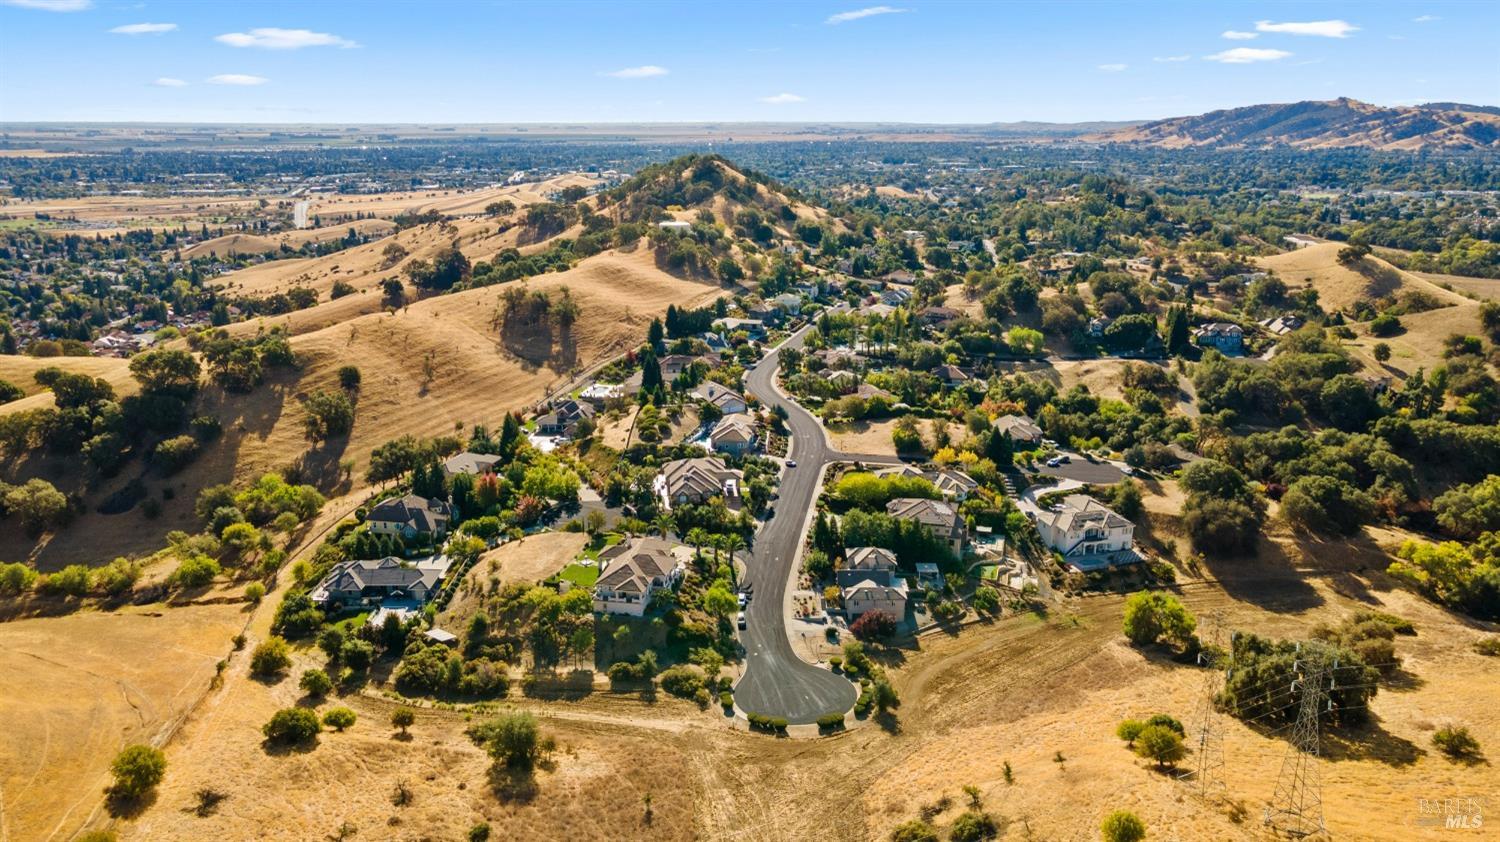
873,625
1122,826
292,725
915,830
315,683
1456,742
195,572
768,724
271,657
831,721
1161,744
136,770
974,826
1167,721
681,680
339,718
1129,729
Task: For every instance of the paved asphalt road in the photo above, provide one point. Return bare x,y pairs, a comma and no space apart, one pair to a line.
776,681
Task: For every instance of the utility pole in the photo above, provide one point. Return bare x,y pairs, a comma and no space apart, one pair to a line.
1296,809
1210,774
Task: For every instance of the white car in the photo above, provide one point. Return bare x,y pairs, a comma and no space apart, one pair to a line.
744,600
741,620
1054,461
791,463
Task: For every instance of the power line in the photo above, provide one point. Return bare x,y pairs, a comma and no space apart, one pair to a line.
1296,808
1210,757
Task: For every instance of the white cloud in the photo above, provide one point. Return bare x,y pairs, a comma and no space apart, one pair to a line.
1235,35
1425,18
782,99
1113,68
869,12
52,5
645,71
1320,28
144,28
241,79
1163,59
1247,55
169,82
274,38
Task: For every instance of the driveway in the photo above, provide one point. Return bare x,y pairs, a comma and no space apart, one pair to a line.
776,681
1082,470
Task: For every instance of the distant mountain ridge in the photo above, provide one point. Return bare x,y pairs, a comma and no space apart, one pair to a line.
1342,122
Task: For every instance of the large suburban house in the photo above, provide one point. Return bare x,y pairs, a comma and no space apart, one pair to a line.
564,417
409,517
733,434
1087,533
726,399
752,327
473,464
1283,324
952,483
1225,337
866,596
860,563
939,516
951,374
869,581
1022,429
631,573
696,481
374,582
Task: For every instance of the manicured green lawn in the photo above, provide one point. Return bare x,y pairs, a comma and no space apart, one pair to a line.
582,575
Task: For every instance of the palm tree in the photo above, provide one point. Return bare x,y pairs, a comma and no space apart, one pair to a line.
663,523
733,543
697,536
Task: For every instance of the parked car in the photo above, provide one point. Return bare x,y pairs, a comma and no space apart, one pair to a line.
1054,461
741,620
744,600
791,463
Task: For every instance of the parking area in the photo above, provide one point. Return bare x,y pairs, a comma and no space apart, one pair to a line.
1081,469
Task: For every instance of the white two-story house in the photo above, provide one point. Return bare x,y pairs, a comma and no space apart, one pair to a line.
1088,534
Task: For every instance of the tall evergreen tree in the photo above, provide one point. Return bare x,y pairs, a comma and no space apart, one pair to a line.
1177,331
510,435
656,337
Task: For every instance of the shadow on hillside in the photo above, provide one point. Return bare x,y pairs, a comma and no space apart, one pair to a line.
1266,580
1369,742
1383,279
540,344
120,807
557,686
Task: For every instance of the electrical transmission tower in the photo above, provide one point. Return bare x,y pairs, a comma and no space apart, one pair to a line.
1296,810
1210,754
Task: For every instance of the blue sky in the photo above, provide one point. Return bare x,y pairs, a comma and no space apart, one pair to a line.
343,61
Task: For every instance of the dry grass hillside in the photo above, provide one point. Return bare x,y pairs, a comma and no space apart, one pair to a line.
83,686
1339,286
331,208
21,371
232,244
1021,690
428,369
441,362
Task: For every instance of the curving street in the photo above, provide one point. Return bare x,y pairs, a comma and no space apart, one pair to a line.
776,681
